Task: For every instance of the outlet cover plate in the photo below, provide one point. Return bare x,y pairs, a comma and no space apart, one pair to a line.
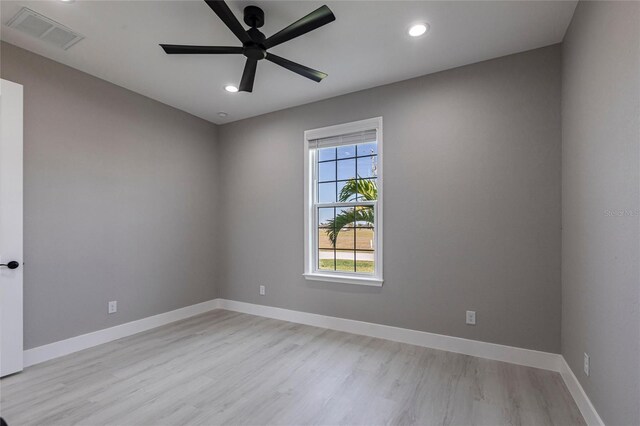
471,317
587,361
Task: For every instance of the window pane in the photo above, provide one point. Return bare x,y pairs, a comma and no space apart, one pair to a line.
325,154
367,190
344,261
327,192
346,151
367,149
326,260
324,239
325,214
346,239
365,262
344,217
365,239
364,216
327,171
346,169
351,196
345,230
368,166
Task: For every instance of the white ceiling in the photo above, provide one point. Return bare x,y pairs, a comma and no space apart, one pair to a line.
366,46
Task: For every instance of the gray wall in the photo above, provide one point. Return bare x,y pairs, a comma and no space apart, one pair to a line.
121,202
472,203
600,177
120,197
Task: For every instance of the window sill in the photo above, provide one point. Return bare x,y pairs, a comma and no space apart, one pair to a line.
345,279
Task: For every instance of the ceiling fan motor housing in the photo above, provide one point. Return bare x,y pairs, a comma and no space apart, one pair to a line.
254,49
253,16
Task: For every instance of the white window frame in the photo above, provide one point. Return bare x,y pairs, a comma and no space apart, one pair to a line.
310,217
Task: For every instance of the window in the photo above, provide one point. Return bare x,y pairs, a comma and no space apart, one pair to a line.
343,203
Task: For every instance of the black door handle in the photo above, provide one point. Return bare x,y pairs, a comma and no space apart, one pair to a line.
11,265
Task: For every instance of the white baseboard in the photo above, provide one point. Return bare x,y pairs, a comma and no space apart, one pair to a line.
527,357
85,341
579,395
513,355
510,354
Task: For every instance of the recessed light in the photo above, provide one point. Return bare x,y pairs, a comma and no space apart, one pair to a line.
68,1
418,29
231,88
222,114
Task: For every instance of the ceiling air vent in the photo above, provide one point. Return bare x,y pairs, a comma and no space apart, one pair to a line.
46,29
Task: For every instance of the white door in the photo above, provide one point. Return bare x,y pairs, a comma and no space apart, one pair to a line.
10,227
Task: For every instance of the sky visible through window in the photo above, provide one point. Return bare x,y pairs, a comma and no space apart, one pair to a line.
346,240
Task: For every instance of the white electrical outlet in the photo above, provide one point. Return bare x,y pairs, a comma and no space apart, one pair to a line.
262,290
586,363
113,306
471,317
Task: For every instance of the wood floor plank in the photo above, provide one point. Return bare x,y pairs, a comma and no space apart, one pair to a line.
229,368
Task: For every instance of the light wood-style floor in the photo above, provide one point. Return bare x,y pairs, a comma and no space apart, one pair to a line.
229,368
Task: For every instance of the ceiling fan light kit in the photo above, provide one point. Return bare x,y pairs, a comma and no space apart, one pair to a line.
255,44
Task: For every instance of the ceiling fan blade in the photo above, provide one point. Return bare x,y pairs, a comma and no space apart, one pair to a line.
310,73
315,19
248,75
180,49
224,13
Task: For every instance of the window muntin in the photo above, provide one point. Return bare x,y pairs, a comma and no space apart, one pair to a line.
343,219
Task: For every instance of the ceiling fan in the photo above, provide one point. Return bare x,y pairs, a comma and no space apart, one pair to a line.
255,44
